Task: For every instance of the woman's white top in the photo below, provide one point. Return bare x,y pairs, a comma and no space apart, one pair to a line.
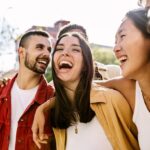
90,136
141,117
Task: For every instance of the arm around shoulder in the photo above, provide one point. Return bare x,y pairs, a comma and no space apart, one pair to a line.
125,86
39,122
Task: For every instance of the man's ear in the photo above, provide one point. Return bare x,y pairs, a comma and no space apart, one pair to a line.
21,52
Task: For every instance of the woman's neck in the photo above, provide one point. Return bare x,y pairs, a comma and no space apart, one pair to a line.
70,92
70,89
143,77
145,85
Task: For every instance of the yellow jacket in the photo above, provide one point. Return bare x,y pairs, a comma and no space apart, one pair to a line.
115,116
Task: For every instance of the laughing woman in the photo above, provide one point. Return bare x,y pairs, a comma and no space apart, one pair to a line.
133,51
85,116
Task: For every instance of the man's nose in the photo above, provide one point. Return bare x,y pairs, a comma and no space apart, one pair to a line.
46,52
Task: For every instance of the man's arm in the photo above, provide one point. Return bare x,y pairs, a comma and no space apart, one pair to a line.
124,86
39,137
111,83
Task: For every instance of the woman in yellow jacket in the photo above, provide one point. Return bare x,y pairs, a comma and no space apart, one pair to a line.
85,116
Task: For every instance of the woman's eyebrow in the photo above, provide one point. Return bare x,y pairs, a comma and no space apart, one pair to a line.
75,45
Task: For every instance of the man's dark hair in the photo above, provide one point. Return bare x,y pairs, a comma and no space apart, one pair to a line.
72,27
28,34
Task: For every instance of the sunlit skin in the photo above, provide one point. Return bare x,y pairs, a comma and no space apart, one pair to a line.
132,50
37,54
69,52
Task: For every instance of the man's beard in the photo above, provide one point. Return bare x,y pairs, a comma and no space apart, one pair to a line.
34,65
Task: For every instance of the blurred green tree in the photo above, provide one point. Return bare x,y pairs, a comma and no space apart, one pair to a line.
48,74
103,54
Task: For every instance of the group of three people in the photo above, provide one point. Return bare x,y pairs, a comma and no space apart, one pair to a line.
27,90
83,115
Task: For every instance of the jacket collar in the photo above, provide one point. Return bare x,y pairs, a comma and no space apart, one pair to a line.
97,94
8,87
41,95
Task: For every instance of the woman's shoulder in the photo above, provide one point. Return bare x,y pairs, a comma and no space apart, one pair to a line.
116,83
126,87
113,100
104,90
107,94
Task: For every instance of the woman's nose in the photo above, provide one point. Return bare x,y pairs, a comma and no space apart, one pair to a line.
66,52
116,48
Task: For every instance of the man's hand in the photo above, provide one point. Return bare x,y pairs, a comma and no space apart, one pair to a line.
38,128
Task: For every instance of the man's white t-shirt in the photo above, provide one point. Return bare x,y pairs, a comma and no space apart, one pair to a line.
20,99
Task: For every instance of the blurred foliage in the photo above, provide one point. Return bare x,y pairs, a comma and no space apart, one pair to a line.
103,54
48,74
